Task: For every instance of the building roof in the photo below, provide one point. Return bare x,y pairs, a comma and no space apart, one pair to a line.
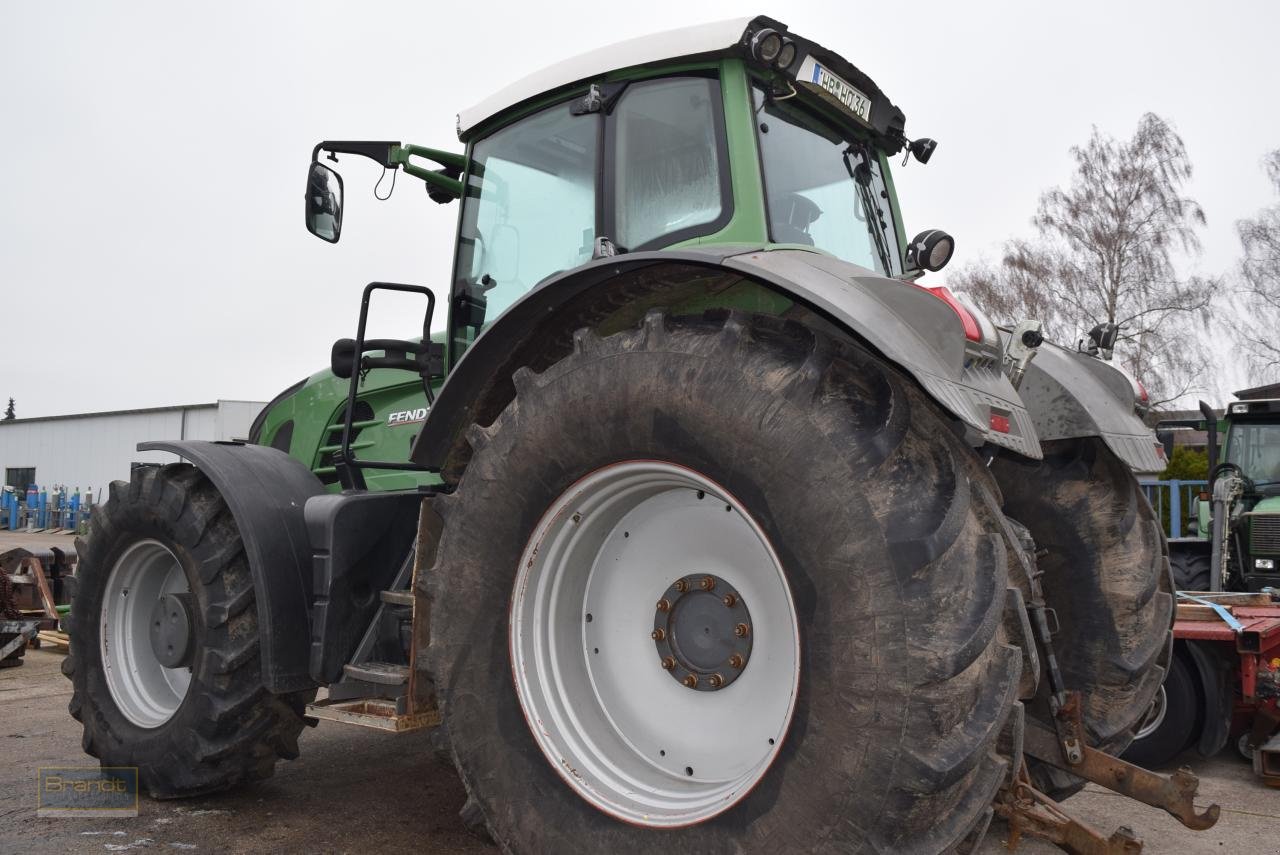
168,409
1271,390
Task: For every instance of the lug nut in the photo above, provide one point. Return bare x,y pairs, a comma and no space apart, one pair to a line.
730,600
658,634
691,681
664,605
707,583
741,630
577,518
736,661
682,585
668,663
716,681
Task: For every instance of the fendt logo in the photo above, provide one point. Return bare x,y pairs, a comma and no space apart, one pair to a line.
407,417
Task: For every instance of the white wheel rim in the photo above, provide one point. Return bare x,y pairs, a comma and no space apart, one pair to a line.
627,737
146,692
1155,715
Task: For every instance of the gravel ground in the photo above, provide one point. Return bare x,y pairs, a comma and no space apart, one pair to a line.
356,789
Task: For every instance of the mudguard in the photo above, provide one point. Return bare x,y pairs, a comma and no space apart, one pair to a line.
266,490
1074,395
906,324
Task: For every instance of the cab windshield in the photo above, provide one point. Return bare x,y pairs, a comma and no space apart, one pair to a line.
1255,448
820,185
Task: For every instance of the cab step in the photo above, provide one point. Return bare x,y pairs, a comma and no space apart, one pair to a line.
382,673
377,713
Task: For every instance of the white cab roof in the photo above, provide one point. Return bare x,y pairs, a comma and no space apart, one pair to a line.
659,47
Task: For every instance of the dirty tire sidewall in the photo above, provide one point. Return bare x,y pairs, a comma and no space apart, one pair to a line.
1104,560
884,526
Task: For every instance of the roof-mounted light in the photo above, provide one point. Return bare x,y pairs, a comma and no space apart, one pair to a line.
766,45
787,55
772,48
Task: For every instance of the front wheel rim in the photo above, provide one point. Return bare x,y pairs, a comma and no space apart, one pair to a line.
145,691
614,712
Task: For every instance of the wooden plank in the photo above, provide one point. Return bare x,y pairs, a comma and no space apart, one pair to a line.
1196,611
57,639
36,569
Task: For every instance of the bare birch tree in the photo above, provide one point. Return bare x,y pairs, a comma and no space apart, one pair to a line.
1260,273
1106,251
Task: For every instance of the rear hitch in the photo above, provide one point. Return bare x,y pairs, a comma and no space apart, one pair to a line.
1066,750
1029,811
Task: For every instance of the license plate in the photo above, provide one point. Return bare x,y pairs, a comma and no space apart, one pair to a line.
814,72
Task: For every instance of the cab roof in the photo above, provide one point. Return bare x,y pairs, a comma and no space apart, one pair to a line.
718,39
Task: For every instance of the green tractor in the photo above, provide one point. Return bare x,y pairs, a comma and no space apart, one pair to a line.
702,526
1237,542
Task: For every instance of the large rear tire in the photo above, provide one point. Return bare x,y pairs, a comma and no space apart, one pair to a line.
205,724
808,479
1105,570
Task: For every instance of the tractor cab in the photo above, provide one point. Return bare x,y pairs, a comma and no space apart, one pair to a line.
1252,444
1237,546
755,137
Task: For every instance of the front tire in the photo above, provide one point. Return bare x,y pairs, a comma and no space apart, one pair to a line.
200,725
879,628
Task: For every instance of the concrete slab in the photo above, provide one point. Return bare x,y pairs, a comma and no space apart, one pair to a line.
354,790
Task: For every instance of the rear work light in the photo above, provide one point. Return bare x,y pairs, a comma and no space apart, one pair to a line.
972,331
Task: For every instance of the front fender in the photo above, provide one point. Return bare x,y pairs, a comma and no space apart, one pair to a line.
905,324
1072,395
266,490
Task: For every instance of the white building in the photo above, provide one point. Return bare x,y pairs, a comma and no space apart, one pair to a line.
90,450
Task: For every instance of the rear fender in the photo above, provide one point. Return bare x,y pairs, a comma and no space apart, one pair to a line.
266,491
901,322
1071,395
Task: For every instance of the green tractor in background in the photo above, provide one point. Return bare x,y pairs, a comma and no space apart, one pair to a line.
702,527
1237,542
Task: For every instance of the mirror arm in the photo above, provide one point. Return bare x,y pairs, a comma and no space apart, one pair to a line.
444,158
451,186
376,151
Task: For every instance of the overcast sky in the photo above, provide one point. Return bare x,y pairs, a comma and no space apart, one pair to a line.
152,249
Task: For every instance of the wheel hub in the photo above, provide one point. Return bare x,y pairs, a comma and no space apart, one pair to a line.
146,633
171,630
702,631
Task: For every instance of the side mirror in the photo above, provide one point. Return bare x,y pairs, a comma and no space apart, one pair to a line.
930,250
324,202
